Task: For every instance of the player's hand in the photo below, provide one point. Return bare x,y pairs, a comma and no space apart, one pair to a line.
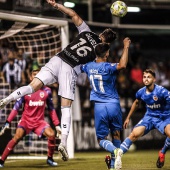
126,123
3,128
52,3
58,129
127,42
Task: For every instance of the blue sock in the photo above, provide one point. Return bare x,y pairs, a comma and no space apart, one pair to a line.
107,145
166,145
116,143
126,145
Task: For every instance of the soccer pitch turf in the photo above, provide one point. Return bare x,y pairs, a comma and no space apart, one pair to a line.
138,160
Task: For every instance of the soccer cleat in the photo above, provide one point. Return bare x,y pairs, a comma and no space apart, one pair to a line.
161,160
63,152
51,162
108,161
118,158
3,128
1,163
3,103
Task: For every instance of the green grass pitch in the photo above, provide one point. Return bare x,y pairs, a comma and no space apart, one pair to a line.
138,160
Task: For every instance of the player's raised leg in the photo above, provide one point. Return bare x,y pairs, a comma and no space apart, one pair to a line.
35,85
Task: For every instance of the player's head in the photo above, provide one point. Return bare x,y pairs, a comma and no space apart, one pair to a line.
34,72
149,77
102,50
108,36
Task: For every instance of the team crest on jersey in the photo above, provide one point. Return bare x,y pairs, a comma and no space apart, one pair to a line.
41,94
155,98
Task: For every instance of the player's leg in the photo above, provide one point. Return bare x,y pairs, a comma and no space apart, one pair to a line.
50,134
102,127
124,147
67,81
20,132
161,155
47,75
102,130
35,85
116,142
115,126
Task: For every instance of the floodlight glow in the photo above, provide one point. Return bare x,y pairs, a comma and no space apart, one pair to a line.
134,9
69,4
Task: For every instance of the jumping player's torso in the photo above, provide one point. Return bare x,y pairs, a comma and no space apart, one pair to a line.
81,49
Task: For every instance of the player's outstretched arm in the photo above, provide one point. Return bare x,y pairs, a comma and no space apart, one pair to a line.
77,20
124,58
132,110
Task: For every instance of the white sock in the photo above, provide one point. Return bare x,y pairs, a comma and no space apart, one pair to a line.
22,91
65,124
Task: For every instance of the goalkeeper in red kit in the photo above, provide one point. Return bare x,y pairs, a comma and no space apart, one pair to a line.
32,120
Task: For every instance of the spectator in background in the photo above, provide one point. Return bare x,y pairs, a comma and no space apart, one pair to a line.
1,67
136,75
22,63
161,74
12,71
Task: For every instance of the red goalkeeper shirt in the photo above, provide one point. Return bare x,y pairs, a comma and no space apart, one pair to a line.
34,107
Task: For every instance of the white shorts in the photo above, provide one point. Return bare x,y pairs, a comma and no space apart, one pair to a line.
56,70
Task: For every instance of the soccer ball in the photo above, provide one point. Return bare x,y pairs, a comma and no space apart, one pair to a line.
118,8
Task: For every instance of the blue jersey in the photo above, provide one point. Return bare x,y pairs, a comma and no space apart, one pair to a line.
157,102
102,78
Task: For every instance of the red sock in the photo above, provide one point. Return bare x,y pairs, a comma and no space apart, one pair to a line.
11,144
51,146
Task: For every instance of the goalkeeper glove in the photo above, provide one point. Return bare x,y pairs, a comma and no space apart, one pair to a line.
58,129
4,127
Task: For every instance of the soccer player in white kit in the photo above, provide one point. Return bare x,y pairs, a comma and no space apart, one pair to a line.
62,68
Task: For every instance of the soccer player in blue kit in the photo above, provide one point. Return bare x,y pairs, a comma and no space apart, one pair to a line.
157,116
107,110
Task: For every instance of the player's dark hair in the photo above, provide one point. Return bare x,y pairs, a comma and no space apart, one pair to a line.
109,35
150,71
101,49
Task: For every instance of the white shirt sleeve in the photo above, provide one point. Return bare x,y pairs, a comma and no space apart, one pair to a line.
83,27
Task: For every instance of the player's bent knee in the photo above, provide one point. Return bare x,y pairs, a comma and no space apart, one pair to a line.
133,136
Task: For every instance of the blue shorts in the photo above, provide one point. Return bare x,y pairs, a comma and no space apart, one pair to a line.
108,118
151,122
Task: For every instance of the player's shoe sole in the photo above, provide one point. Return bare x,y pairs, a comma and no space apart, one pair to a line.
3,128
63,152
51,162
3,103
118,159
161,160
1,163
